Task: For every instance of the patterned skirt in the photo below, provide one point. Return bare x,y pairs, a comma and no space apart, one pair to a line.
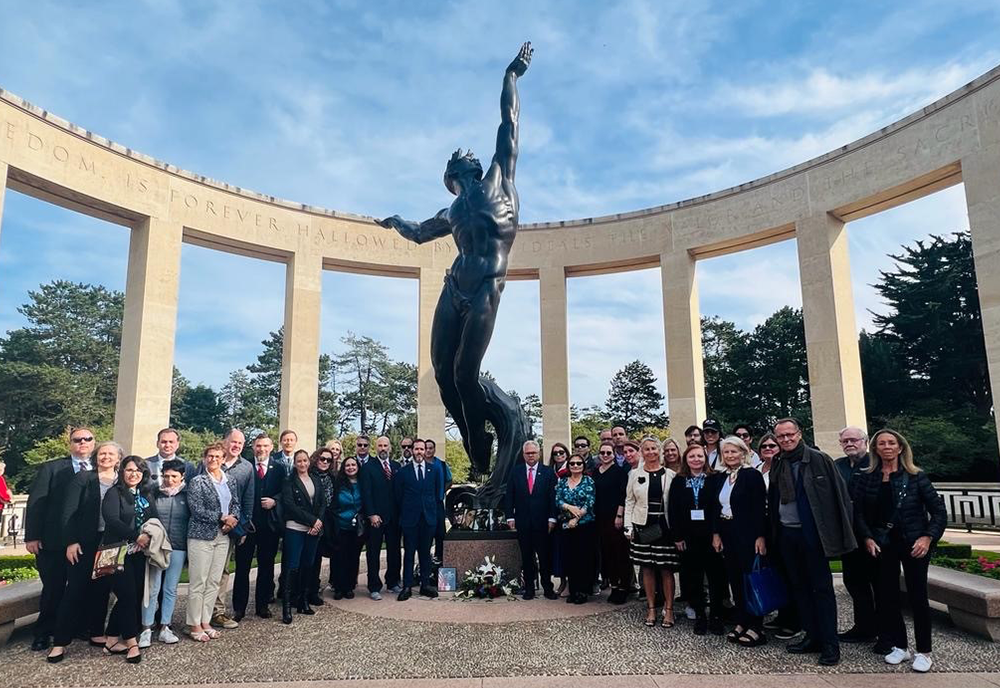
659,554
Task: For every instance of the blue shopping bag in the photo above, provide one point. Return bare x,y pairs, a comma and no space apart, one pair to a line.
765,591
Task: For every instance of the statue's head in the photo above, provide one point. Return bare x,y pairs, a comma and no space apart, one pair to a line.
461,165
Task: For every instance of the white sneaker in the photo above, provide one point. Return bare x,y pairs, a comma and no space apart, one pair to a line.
690,613
922,662
146,638
898,656
167,636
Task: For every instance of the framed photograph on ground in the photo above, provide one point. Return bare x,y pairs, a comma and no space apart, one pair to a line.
447,579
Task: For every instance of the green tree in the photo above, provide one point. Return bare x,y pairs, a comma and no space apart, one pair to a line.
265,375
200,409
634,400
328,411
360,368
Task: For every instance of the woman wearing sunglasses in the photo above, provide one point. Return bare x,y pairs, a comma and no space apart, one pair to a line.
610,480
575,505
321,465
557,461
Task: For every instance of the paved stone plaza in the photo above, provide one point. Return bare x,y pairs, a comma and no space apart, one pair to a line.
347,641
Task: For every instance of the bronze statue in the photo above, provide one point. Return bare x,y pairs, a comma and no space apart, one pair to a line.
483,222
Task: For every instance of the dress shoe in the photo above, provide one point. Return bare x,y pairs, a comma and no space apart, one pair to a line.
264,612
880,648
40,644
337,595
426,591
581,599
238,616
404,595
855,635
715,626
551,595
830,655
700,625
530,595
396,589
805,646
314,598
349,595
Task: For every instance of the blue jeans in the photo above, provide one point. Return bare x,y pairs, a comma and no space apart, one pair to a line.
168,578
299,550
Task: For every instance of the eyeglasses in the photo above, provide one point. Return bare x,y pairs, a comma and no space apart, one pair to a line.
363,445
78,440
607,453
407,446
743,435
768,446
581,445
559,452
575,463
323,459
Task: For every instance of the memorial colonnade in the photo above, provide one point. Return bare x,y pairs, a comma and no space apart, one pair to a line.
956,139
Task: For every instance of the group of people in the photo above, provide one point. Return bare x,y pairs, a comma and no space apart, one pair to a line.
715,510
632,515
165,515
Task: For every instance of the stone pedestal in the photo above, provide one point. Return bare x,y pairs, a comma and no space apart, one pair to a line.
465,550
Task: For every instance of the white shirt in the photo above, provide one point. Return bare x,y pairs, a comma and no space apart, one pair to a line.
258,464
420,469
724,495
81,463
714,459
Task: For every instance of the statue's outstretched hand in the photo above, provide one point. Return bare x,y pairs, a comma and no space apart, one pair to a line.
390,222
520,64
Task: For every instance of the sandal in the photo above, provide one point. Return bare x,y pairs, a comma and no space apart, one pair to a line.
213,634
752,638
199,635
133,658
650,616
119,648
734,635
670,611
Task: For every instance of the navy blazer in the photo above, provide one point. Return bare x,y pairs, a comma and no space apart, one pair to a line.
43,516
748,502
270,486
416,498
531,511
377,496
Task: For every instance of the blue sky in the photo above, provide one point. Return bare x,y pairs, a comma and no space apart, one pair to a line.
356,106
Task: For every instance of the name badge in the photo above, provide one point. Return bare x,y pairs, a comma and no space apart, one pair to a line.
697,514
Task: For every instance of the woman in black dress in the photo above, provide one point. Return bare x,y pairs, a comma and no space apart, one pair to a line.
738,522
610,480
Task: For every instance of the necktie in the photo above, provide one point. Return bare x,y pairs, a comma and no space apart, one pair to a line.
420,472
387,470
531,479
260,471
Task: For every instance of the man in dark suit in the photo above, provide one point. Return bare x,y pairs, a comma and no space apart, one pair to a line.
378,505
43,534
531,510
268,479
168,441
417,487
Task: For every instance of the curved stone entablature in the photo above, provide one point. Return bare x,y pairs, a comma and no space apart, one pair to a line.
55,159
955,139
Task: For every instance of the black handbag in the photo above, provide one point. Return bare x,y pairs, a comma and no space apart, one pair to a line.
361,527
647,535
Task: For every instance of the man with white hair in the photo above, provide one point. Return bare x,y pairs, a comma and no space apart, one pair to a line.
860,569
531,511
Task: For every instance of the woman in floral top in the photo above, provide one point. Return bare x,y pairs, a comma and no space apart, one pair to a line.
575,502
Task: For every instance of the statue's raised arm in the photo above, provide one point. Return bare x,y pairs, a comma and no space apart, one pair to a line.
420,232
510,106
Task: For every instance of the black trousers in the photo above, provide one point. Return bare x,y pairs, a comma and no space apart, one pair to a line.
346,560
698,562
439,535
389,534
812,584
892,629
536,558
52,565
128,586
264,545
84,605
861,580
580,556
737,564
417,541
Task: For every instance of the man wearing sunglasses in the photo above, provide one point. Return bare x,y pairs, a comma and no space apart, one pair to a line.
860,569
43,532
361,445
406,449
581,448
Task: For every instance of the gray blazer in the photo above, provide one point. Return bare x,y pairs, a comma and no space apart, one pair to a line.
203,503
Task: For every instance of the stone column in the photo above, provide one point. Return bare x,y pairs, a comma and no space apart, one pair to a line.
555,359
430,409
145,371
3,186
835,384
682,339
297,407
981,177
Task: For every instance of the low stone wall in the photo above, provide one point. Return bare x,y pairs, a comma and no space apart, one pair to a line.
17,600
973,601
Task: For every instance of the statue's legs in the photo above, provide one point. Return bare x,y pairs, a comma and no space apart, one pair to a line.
446,333
477,330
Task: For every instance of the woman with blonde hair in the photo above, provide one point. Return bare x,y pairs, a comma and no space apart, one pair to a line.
899,516
647,528
338,451
671,454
